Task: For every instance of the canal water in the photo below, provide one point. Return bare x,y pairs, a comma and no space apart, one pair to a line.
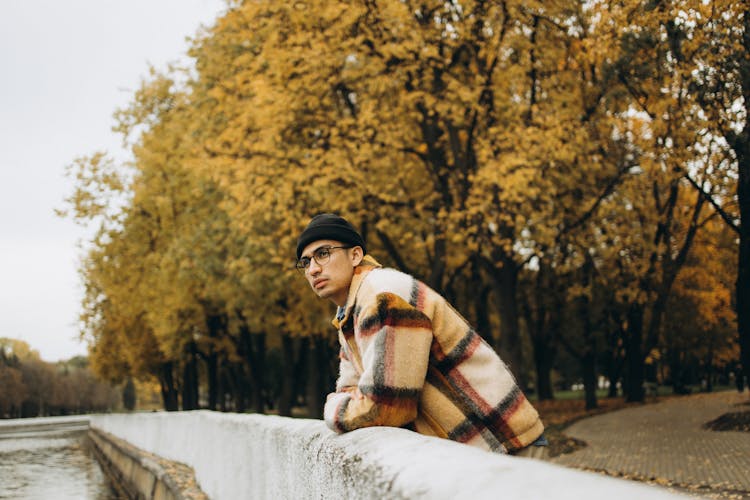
50,463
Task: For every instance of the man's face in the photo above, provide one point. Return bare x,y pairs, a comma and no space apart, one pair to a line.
331,279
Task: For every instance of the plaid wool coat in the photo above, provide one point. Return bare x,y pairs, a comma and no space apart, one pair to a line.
408,359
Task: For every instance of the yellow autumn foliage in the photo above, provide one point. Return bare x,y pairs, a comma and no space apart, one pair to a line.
466,139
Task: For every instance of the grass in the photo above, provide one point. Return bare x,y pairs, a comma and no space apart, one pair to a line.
566,395
661,390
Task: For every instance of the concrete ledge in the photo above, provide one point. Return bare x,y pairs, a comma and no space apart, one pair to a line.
41,424
138,474
259,456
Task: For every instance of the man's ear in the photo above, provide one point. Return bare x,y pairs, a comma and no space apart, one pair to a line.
357,255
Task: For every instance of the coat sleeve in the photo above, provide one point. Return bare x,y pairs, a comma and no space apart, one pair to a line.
348,377
394,341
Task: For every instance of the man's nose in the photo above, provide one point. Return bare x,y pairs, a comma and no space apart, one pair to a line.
314,268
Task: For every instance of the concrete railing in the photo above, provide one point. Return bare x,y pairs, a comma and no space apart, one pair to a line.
135,473
52,424
237,456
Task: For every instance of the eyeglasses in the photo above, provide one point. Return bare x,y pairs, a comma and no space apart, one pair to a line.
321,255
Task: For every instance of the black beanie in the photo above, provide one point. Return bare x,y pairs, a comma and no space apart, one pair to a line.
329,227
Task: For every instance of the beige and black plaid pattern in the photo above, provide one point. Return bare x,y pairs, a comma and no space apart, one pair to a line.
408,359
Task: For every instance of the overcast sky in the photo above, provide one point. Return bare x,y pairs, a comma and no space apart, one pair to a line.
65,67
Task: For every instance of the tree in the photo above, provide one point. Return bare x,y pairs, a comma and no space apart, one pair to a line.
129,395
523,159
722,84
13,391
699,320
701,83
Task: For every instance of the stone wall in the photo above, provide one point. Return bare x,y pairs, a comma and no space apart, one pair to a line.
258,456
136,473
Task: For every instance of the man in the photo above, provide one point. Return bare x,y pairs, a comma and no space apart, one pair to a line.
407,358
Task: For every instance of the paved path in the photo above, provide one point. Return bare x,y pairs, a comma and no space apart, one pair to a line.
665,441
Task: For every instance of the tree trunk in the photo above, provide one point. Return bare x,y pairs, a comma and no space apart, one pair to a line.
315,390
613,371
588,362
484,327
435,280
221,386
545,331
259,372
508,344
678,372
215,323
710,368
743,265
614,379
613,367
543,358
190,379
237,380
254,349
741,146
212,366
168,389
302,358
287,376
634,355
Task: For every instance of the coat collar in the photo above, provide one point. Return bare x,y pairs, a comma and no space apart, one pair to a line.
363,269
